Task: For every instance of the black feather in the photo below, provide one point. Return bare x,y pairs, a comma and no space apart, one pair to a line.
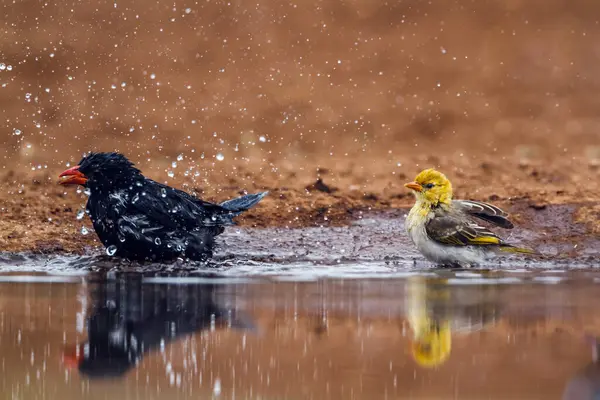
138,218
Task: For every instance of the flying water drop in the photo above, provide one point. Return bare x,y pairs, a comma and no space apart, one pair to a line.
220,156
111,250
157,241
163,192
84,230
217,387
80,214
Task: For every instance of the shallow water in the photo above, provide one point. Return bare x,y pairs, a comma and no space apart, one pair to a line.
483,334
372,245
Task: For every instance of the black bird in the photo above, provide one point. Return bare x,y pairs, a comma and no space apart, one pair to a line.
140,219
130,318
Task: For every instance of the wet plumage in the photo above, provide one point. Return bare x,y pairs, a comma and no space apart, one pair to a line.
447,231
140,219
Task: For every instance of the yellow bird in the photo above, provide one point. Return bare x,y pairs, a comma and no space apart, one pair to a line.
444,230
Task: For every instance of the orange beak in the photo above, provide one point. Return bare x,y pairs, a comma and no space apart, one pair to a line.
414,186
72,356
72,176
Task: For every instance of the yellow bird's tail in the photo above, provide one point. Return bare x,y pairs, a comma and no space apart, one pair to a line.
519,250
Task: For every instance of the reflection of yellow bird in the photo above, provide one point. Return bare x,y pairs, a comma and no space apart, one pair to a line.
436,310
432,338
432,344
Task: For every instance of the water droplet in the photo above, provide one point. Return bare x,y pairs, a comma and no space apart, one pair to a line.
157,241
9,67
111,250
163,192
171,174
217,387
84,230
135,198
174,164
180,157
87,192
121,239
262,139
2,66
80,214
138,183
188,10
16,132
152,76
220,156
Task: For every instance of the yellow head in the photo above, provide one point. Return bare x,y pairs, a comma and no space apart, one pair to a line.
432,348
431,187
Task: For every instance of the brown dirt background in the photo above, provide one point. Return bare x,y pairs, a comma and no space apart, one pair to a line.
502,95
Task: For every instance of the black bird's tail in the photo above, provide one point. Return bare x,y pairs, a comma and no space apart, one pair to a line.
243,203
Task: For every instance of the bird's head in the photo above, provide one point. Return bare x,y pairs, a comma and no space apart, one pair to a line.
431,187
101,170
432,347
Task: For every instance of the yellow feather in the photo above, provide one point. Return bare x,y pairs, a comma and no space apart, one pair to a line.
484,240
510,249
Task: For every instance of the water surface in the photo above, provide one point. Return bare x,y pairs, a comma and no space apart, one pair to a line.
420,334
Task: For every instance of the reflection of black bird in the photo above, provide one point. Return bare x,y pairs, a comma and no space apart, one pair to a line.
138,218
130,318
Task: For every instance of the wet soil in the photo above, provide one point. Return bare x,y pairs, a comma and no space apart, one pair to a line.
373,244
331,107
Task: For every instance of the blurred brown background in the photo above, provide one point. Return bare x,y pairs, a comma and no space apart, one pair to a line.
500,94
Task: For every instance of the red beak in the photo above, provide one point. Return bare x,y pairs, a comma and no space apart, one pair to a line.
72,356
72,176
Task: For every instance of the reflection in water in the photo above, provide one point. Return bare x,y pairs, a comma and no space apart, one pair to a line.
585,385
455,335
436,311
130,318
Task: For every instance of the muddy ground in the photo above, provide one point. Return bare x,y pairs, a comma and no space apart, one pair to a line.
331,106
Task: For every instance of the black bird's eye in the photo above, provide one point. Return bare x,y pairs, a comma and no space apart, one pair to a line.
428,185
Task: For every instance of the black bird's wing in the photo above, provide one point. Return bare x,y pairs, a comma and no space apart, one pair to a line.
159,216
486,212
454,230
175,209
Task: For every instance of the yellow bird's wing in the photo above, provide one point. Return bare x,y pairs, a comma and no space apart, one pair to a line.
484,211
457,230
